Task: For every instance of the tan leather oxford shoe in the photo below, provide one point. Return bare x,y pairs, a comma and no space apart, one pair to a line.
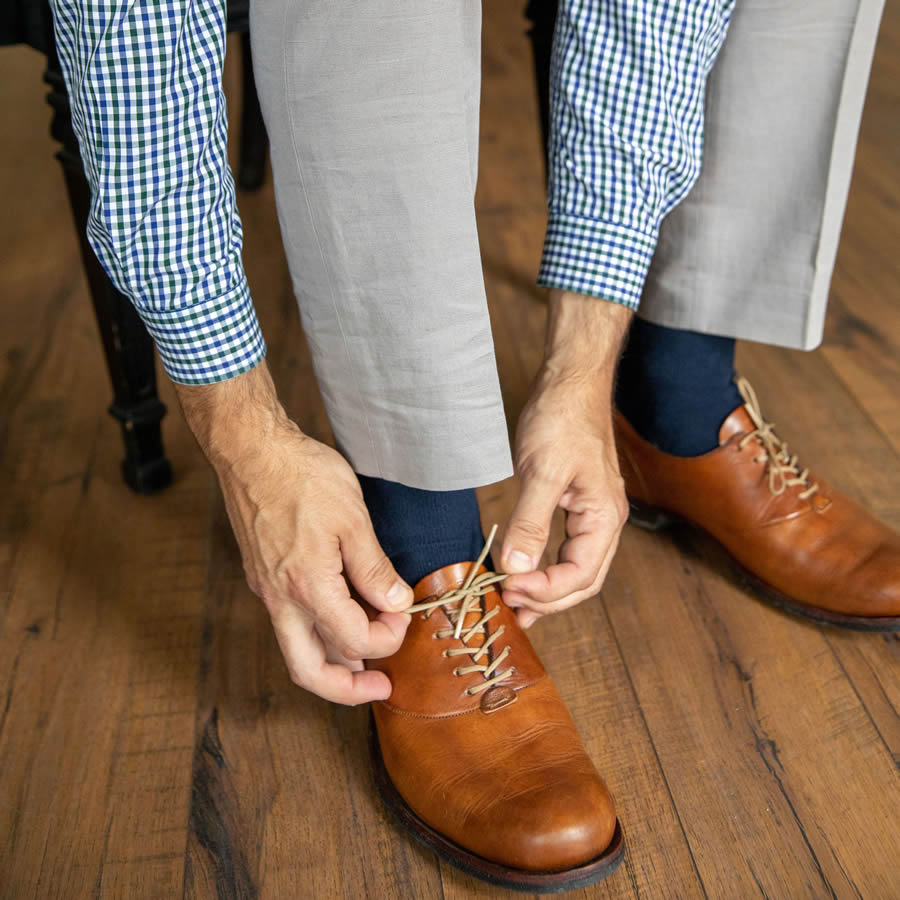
475,752
800,543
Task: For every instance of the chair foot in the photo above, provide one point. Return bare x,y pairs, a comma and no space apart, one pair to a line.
145,468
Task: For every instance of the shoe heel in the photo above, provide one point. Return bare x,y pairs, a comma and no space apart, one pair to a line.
648,517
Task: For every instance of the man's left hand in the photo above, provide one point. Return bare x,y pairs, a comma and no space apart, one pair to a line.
566,458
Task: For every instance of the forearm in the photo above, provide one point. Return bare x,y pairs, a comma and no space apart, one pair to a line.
584,339
232,420
566,458
145,86
299,518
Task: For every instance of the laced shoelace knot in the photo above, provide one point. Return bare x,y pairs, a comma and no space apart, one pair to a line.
783,468
458,604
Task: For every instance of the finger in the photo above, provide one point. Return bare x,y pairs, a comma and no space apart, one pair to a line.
608,558
332,655
581,558
372,573
529,526
305,654
521,605
339,685
526,604
344,624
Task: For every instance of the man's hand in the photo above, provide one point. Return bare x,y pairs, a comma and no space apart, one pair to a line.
298,514
566,457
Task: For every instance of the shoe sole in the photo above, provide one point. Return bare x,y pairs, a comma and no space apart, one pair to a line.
651,518
472,864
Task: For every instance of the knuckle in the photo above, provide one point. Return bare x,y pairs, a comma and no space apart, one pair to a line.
393,643
538,470
296,580
379,570
525,529
296,678
585,581
354,649
272,600
255,583
357,517
298,590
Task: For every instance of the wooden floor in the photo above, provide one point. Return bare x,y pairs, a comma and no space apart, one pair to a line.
151,744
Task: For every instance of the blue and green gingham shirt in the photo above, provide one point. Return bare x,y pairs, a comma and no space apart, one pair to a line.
145,85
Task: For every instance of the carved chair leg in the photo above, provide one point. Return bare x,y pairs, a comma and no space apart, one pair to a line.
254,140
542,14
126,343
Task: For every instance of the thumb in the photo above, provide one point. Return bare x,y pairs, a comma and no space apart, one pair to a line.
529,526
372,573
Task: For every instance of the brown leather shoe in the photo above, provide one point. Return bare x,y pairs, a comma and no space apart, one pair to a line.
803,545
475,752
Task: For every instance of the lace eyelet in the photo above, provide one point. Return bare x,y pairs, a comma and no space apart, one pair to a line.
445,653
469,691
456,671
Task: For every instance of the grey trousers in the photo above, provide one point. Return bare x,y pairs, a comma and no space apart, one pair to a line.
372,110
750,252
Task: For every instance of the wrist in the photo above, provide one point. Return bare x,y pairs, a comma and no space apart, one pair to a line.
233,418
584,337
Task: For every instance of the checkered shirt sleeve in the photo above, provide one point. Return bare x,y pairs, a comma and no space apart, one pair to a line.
145,88
627,91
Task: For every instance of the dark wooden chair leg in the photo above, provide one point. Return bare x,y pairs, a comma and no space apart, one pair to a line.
128,347
542,14
254,140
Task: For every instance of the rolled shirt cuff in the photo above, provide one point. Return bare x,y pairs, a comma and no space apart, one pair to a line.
601,259
207,342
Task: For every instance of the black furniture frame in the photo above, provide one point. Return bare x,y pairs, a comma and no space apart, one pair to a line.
127,346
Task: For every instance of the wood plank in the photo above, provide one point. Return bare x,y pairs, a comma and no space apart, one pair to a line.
862,341
577,648
839,441
151,743
754,722
98,735
282,798
74,755
580,652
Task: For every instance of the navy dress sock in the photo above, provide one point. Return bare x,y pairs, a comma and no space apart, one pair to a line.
676,387
421,531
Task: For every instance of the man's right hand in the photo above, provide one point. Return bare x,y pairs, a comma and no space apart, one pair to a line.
298,514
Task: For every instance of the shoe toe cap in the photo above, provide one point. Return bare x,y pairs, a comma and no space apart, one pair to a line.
561,824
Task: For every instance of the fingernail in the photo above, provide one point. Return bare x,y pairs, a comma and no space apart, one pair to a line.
398,596
518,562
528,619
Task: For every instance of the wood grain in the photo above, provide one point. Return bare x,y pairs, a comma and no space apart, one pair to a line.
151,743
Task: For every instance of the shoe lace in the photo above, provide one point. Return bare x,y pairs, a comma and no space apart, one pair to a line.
784,470
457,605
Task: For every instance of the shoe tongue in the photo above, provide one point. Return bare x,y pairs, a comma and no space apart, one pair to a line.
447,579
738,422
443,580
